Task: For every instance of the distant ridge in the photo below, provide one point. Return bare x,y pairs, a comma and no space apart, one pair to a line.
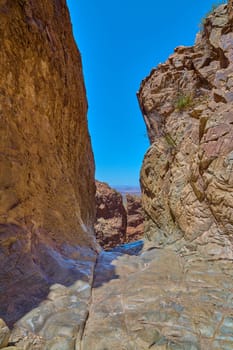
124,189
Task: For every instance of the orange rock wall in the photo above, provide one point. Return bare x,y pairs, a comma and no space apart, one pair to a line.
47,167
47,189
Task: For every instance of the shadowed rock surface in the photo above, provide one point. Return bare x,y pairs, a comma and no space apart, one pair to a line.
47,169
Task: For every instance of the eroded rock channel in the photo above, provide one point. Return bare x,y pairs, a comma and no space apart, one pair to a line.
59,290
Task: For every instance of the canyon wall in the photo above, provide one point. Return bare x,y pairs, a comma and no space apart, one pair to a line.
187,173
47,184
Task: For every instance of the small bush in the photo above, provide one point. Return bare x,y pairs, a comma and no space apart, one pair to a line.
183,101
213,8
170,140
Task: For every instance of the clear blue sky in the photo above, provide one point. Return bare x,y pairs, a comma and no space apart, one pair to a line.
120,42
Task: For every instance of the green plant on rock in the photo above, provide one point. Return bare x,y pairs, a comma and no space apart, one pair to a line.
183,101
213,8
170,140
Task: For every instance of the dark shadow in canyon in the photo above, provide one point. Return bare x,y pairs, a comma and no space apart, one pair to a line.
29,267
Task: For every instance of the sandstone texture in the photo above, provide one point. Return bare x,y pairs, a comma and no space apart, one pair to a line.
187,173
47,170
111,216
135,218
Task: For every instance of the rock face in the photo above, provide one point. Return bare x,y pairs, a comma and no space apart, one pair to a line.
111,217
117,222
47,169
135,218
187,173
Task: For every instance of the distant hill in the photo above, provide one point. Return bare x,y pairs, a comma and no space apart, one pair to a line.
124,189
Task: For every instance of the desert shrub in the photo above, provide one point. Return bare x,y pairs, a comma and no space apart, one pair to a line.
183,101
170,140
213,8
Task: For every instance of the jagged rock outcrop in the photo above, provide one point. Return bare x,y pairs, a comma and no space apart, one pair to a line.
119,218
187,173
47,187
111,216
135,218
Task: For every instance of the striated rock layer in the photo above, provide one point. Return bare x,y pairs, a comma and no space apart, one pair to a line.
187,173
47,170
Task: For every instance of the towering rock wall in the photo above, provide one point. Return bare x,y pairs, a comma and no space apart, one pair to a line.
47,170
187,173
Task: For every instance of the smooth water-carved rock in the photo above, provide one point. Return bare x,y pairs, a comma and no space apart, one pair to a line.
160,300
47,170
4,334
187,174
58,322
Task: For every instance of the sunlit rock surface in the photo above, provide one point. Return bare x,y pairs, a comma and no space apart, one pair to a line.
187,173
160,300
140,300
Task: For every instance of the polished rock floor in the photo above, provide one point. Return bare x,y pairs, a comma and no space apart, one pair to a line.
154,299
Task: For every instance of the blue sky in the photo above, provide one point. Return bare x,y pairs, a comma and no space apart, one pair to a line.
120,42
